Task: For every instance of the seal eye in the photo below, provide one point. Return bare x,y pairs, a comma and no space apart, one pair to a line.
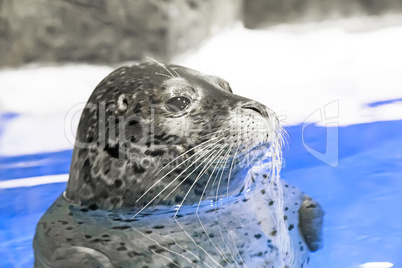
177,104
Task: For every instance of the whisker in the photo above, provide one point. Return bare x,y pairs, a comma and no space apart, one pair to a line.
209,152
161,65
231,166
170,171
185,153
219,171
223,256
210,176
177,244
211,133
160,74
165,248
277,195
206,167
284,136
226,157
197,244
227,247
238,253
174,70
166,257
223,167
171,183
197,178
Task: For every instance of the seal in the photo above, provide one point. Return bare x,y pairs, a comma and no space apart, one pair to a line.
171,169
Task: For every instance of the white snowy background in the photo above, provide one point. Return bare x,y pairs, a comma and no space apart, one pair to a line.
293,74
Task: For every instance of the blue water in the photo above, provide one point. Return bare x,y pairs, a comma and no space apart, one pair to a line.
384,102
42,164
362,196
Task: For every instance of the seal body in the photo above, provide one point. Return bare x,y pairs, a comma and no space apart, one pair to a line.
164,174
237,231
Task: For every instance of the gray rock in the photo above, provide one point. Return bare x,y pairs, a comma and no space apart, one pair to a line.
262,13
100,31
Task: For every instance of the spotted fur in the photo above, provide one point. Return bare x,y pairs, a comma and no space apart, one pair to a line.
162,176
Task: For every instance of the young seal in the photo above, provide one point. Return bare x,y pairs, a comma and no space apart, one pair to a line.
162,176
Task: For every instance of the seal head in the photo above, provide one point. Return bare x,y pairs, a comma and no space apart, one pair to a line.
155,134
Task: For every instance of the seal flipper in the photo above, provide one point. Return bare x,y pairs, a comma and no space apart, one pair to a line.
76,256
311,217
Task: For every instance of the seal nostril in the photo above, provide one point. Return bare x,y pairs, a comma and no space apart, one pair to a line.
255,109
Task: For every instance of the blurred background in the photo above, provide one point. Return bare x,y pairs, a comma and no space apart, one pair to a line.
330,69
